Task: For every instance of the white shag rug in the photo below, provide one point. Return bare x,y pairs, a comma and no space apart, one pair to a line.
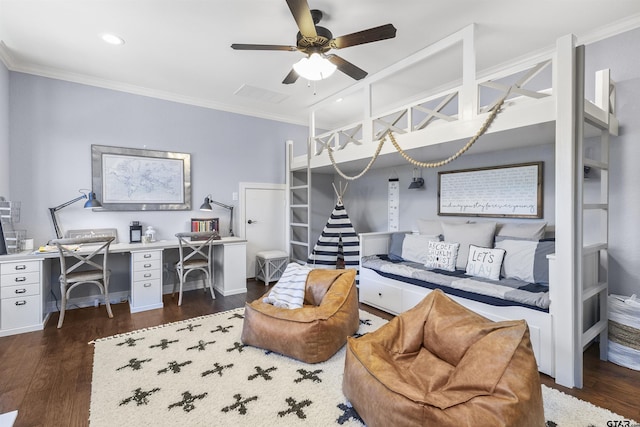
198,373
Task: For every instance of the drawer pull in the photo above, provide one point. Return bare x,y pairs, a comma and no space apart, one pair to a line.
148,275
147,265
21,267
20,291
23,302
147,255
147,285
21,279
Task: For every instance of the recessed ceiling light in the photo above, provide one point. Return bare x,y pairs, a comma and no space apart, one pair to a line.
338,100
112,39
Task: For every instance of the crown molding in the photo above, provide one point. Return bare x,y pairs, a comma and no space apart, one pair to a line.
13,65
630,23
6,57
612,29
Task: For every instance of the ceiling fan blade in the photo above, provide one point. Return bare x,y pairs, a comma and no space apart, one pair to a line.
291,77
382,32
302,14
347,67
240,46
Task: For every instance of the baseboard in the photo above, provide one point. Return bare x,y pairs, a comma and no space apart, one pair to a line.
114,297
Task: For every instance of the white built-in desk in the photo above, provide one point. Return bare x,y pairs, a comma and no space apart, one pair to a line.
25,279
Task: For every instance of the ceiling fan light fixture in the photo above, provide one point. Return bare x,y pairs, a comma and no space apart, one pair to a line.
112,39
315,67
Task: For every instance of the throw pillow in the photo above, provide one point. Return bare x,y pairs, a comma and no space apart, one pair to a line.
429,226
395,247
433,227
522,230
289,291
485,262
478,233
527,260
442,255
415,247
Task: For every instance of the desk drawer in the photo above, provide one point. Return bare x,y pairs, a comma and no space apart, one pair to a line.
146,293
20,279
147,274
146,265
19,267
20,291
146,256
20,312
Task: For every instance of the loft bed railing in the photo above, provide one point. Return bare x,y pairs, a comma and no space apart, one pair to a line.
436,109
435,119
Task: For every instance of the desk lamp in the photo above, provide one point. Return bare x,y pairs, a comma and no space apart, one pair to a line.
206,206
91,202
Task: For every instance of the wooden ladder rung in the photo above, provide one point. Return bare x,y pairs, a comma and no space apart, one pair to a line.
594,331
591,292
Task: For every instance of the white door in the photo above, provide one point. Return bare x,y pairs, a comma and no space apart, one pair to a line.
263,219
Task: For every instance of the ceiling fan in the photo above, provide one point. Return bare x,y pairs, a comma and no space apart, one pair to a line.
313,39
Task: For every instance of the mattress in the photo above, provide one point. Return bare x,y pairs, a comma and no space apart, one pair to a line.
503,292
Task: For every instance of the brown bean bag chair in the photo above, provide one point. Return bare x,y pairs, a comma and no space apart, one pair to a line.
314,332
440,364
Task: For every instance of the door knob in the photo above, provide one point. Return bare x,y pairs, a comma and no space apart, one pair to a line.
251,221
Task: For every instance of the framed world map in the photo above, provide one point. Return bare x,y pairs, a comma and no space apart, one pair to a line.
137,179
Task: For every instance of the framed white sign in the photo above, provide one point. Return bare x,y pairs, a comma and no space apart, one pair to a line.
500,191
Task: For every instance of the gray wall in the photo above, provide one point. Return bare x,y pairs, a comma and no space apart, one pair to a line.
4,131
54,123
366,198
620,54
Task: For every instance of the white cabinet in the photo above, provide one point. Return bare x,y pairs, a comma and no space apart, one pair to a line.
146,280
21,296
230,268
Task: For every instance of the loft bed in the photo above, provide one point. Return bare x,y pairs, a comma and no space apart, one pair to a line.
428,128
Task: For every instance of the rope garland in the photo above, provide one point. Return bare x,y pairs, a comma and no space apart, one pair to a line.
474,138
494,112
366,169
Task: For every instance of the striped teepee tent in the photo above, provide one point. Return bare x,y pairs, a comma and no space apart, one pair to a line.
338,245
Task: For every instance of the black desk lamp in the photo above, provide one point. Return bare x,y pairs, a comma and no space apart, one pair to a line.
206,206
92,202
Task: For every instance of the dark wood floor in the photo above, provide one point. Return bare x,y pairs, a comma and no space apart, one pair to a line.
46,375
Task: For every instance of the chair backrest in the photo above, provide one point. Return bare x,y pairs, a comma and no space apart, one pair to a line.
196,245
83,250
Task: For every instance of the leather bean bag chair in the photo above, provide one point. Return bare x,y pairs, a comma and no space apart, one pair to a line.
440,364
314,332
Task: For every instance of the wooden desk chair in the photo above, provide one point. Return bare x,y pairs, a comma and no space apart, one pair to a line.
83,268
195,255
